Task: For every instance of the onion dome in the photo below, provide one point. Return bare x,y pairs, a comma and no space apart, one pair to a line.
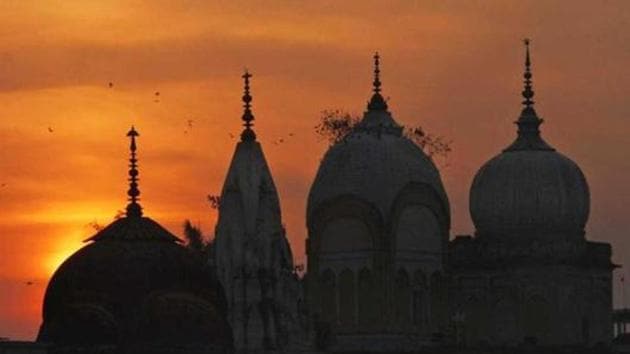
134,284
530,190
375,162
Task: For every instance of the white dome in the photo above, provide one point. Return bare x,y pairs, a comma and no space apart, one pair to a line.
374,163
530,190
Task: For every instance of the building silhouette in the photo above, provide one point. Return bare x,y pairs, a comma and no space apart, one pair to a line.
134,289
529,272
251,253
382,273
378,225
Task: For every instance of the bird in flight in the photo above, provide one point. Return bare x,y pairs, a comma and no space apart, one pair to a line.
111,84
50,130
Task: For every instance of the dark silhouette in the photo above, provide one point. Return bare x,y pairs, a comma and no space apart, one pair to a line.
194,237
336,124
135,289
214,200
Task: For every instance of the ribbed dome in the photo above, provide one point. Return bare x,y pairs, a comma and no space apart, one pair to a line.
533,193
529,190
374,163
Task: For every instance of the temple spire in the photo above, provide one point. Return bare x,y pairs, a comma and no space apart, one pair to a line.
528,92
377,103
377,72
248,118
133,208
528,123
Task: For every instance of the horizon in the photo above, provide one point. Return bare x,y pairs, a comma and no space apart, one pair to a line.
455,69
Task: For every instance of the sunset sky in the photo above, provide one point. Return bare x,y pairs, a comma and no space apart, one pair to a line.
454,67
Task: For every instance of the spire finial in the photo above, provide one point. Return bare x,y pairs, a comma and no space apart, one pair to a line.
528,123
377,72
248,117
133,208
528,92
377,103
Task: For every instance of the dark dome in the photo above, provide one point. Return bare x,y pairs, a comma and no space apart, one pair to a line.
114,283
530,190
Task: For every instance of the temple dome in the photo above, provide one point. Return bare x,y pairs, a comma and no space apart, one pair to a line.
134,284
530,190
374,163
129,262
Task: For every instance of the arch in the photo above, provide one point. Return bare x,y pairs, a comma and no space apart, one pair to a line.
418,230
415,193
347,298
345,234
437,299
419,302
403,299
368,304
81,324
344,206
328,296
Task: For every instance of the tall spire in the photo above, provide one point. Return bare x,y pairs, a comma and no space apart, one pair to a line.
133,208
528,123
377,103
247,134
528,92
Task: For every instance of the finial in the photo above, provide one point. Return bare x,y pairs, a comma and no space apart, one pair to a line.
248,117
377,72
377,103
528,92
133,208
528,123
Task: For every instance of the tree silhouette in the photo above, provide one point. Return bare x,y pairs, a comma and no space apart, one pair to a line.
336,124
194,237
214,200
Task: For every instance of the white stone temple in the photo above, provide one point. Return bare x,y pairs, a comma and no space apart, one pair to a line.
252,256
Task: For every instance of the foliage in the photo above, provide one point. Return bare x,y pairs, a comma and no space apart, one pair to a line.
194,237
214,200
336,124
432,145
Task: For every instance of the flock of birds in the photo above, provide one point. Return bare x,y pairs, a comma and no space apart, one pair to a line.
189,127
189,122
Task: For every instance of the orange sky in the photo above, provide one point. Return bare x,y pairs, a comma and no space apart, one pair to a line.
453,67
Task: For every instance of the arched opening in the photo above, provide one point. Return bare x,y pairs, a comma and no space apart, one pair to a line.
347,296
418,231
345,234
402,301
328,297
438,300
419,300
368,304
